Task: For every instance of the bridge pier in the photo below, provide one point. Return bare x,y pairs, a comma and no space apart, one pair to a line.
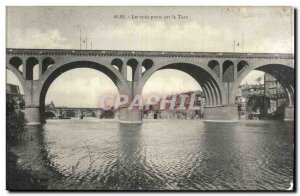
289,113
33,115
221,113
130,116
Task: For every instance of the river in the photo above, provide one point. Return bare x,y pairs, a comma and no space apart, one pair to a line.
173,154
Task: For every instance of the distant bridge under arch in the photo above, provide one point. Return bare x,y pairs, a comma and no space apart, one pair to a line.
218,74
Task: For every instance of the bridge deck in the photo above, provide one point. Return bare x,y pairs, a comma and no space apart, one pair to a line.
147,53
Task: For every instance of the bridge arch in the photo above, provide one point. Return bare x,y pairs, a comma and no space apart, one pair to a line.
55,71
147,64
46,63
133,63
228,71
284,74
214,65
16,62
31,64
208,81
241,66
118,63
19,76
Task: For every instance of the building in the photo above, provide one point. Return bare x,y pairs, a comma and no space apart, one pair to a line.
155,111
13,92
275,91
261,100
50,106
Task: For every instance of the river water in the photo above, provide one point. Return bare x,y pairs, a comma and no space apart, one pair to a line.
173,154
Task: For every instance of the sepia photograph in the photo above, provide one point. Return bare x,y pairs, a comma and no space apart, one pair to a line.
150,98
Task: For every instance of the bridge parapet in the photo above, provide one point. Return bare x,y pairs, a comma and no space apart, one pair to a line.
127,53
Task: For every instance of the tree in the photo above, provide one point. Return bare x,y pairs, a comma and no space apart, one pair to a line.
15,122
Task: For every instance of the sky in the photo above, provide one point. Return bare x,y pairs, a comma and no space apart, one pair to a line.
198,29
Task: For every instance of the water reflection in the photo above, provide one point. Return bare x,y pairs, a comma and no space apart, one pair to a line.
173,154
31,167
30,149
130,160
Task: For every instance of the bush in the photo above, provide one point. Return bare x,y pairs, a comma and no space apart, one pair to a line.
15,123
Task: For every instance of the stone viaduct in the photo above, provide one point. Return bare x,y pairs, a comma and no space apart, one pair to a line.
219,75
